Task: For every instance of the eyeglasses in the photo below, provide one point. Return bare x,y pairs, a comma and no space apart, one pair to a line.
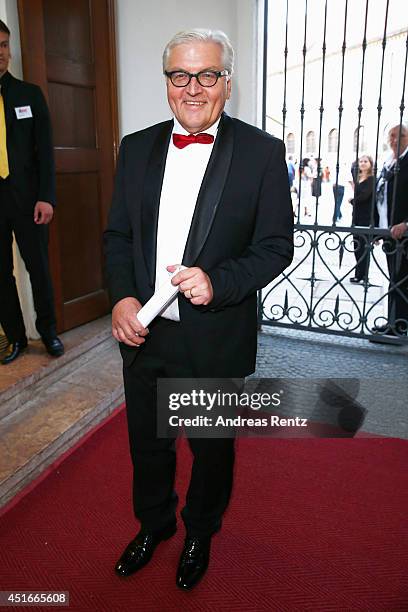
206,78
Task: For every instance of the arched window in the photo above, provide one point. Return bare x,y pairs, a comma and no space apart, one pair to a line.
333,140
290,143
310,142
361,143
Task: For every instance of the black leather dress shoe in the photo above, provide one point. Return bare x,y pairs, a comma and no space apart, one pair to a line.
140,550
54,346
387,330
381,329
355,279
193,562
13,351
388,334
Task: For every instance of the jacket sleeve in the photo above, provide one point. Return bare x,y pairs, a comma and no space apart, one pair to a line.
118,240
44,151
271,247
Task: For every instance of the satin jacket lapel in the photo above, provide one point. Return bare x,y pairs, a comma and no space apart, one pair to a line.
211,190
151,198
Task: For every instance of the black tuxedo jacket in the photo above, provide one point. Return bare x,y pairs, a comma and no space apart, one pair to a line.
241,234
29,144
397,210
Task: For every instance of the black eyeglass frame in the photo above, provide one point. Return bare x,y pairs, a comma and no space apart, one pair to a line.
216,73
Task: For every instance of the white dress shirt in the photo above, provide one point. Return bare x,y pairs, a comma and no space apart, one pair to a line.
182,180
382,207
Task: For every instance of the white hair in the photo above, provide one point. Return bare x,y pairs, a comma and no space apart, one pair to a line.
396,123
202,35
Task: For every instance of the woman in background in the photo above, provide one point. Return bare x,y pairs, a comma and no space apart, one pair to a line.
306,178
362,203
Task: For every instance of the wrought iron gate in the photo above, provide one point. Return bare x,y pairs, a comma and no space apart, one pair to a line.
334,86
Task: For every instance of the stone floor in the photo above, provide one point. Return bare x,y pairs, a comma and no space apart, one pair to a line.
48,404
373,375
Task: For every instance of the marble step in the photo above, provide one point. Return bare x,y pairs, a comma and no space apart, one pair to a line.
35,370
57,416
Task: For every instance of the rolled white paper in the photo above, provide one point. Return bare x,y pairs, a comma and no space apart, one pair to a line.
162,298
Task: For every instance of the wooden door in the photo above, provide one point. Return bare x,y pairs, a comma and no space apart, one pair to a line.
68,48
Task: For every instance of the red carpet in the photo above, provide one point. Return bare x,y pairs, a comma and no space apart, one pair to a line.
313,525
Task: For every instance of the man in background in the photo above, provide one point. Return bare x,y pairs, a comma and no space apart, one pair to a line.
392,214
27,198
341,180
212,193
291,171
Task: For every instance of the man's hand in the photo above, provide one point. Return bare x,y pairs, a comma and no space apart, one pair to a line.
195,284
397,231
125,325
43,213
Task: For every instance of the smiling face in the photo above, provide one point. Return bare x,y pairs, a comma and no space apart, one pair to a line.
364,165
4,52
197,108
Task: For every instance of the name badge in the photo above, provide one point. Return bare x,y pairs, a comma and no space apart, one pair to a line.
23,112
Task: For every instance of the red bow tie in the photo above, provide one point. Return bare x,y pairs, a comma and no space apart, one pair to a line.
181,141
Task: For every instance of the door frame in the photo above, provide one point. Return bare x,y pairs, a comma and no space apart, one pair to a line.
32,40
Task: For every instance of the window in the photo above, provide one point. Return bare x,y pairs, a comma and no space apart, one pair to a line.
333,141
290,143
310,142
361,143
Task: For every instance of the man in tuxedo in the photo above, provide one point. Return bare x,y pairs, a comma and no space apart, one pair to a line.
392,213
212,193
27,197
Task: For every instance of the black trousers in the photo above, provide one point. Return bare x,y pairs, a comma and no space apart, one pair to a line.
154,459
338,200
362,255
32,241
397,260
